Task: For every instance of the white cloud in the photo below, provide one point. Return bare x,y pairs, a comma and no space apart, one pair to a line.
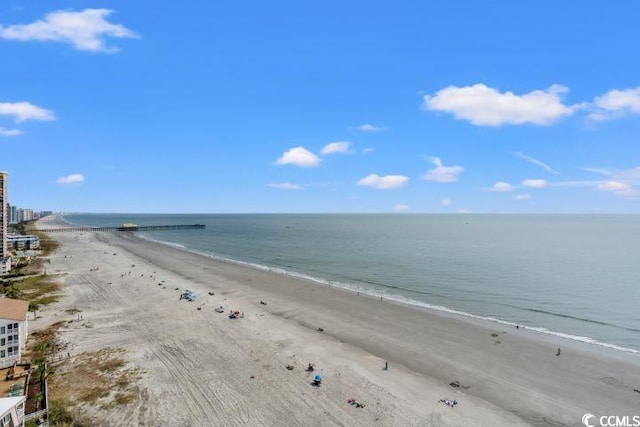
485,106
342,147
368,150
616,103
401,208
464,211
441,173
22,111
71,179
622,183
522,196
387,182
369,128
536,162
612,186
446,202
534,183
85,30
501,187
298,156
575,184
621,189
10,132
285,186
632,175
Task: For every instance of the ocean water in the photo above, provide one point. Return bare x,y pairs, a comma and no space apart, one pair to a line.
576,276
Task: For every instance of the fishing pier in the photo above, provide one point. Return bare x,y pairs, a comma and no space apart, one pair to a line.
127,227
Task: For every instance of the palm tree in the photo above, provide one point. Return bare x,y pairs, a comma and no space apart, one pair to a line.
11,292
34,308
38,397
42,371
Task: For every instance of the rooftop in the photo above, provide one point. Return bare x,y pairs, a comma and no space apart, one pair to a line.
13,309
6,403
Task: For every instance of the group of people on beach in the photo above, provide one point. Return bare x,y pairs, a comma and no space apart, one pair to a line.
355,403
449,402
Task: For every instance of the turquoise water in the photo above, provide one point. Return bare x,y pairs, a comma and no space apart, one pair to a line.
575,275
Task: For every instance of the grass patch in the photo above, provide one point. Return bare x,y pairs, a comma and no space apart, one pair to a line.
120,399
37,286
40,290
44,339
32,266
98,378
46,300
112,365
92,395
58,414
125,398
123,382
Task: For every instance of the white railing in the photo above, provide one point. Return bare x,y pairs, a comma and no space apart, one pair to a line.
36,414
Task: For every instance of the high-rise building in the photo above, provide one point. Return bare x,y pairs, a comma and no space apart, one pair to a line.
27,215
13,214
4,218
5,261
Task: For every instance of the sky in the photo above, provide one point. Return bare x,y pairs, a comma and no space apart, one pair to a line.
333,106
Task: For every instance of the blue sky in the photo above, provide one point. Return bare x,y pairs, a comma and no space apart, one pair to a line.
289,106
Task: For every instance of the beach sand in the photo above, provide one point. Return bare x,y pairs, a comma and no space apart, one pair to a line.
202,368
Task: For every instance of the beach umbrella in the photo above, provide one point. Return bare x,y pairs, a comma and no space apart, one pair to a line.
318,377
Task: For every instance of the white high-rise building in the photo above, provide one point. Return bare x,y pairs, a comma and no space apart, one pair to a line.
5,261
25,215
4,217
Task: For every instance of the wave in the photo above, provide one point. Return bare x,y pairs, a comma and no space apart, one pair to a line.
538,329
582,319
66,221
171,244
411,302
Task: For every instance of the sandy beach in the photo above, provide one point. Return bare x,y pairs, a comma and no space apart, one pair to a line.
202,368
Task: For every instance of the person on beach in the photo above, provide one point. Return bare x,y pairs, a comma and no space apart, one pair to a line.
386,365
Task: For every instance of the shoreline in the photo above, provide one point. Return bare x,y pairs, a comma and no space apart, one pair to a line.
559,337
552,334
549,337
539,332
514,377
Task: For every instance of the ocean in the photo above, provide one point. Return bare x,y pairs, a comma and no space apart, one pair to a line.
575,276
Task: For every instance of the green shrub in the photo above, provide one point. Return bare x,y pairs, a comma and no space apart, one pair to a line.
59,414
